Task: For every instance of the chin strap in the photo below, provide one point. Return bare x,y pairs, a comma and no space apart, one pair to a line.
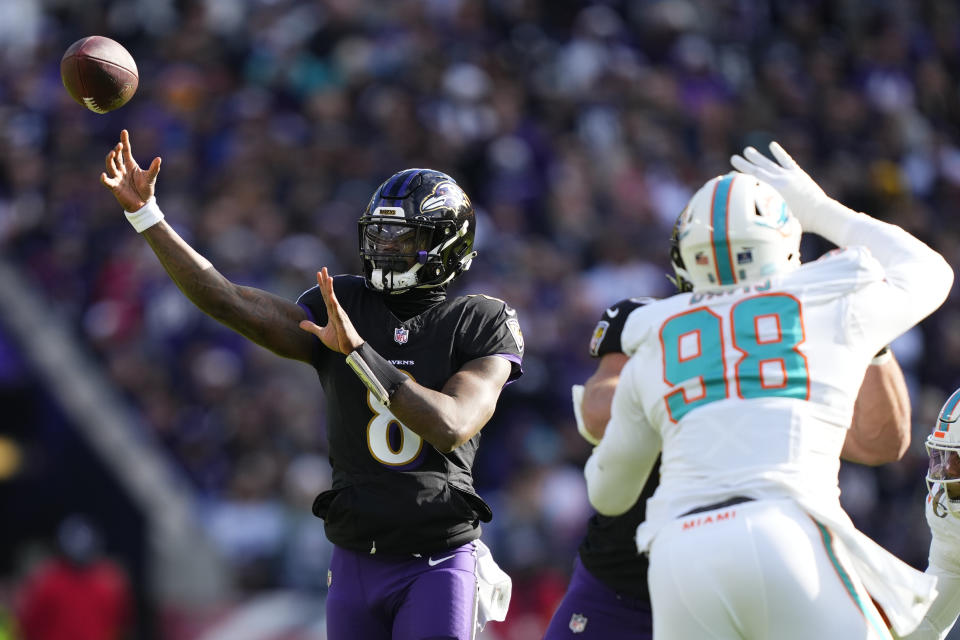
938,509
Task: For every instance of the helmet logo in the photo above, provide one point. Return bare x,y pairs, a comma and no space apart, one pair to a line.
768,204
514,326
445,195
745,256
599,333
701,258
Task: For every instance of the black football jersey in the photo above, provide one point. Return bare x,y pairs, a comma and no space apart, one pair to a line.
609,550
392,491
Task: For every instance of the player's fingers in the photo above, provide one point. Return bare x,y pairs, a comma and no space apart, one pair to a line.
782,156
331,292
759,159
743,165
310,327
127,151
740,163
114,164
154,169
326,290
107,182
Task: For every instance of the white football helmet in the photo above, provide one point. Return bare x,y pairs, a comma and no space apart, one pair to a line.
735,230
943,446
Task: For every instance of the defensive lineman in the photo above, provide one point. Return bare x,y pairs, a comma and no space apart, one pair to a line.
410,378
607,597
748,384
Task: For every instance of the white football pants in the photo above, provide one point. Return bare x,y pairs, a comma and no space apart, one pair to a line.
756,570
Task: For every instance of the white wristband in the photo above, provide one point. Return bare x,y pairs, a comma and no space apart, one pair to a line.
146,216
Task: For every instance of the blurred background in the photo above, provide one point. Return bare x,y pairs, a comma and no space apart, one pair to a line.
158,469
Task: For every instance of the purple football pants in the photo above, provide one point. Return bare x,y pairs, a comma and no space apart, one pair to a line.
379,597
591,610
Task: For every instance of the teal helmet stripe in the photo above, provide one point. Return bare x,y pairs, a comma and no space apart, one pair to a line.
721,243
949,412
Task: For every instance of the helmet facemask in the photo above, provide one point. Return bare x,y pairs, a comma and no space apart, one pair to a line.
943,448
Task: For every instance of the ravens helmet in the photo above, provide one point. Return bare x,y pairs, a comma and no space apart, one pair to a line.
417,232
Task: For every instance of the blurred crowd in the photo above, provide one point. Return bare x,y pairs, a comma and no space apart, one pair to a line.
580,129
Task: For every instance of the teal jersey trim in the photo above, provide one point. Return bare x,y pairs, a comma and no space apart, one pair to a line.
881,629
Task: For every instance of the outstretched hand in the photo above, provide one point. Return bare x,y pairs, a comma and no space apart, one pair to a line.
338,334
130,185
797,188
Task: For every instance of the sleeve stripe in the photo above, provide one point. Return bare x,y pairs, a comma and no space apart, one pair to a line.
310,315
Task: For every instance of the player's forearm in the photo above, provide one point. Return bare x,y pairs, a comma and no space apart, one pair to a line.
596,405
263,318
598,393
621,463
616,473
436,417
450,417
881,427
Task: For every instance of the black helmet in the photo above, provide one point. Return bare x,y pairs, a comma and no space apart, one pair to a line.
417,231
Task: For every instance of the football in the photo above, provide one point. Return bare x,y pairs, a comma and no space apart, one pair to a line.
99,73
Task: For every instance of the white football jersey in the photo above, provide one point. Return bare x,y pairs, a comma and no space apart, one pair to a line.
749,390
753,387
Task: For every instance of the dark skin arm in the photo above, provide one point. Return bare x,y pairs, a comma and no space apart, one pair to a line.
880,432
264,318
446,418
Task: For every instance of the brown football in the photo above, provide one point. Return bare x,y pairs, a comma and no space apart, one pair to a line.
99,73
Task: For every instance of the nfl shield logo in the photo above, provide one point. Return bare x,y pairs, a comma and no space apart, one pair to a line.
401,335
578,623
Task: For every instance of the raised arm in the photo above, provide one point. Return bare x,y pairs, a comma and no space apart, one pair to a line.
270,321
917,278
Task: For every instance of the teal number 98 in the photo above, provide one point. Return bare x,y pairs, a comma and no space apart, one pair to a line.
767,331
